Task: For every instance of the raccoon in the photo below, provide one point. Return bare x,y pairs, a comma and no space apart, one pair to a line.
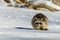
40,22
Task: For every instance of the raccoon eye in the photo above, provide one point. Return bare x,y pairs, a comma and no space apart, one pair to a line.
37,23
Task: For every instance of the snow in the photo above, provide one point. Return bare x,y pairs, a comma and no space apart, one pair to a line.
12,18
47,2
53,5
40,1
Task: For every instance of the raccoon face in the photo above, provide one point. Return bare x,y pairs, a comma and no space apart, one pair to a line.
39,23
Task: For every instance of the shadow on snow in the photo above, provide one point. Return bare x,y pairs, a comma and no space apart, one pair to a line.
23,28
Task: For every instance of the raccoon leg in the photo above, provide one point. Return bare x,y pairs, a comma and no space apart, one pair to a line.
35,8
44,28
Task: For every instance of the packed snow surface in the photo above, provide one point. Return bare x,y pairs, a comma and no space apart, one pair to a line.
15,24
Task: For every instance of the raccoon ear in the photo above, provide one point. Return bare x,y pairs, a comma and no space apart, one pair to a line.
34,19
42,19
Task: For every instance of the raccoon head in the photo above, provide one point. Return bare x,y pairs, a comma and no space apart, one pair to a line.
40,23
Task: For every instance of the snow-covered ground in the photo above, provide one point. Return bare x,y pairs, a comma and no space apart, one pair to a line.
53,5
47,2
15,24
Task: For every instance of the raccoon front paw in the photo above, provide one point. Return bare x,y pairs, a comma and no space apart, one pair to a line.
45,29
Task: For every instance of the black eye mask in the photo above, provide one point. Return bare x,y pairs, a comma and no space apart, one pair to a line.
38,23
